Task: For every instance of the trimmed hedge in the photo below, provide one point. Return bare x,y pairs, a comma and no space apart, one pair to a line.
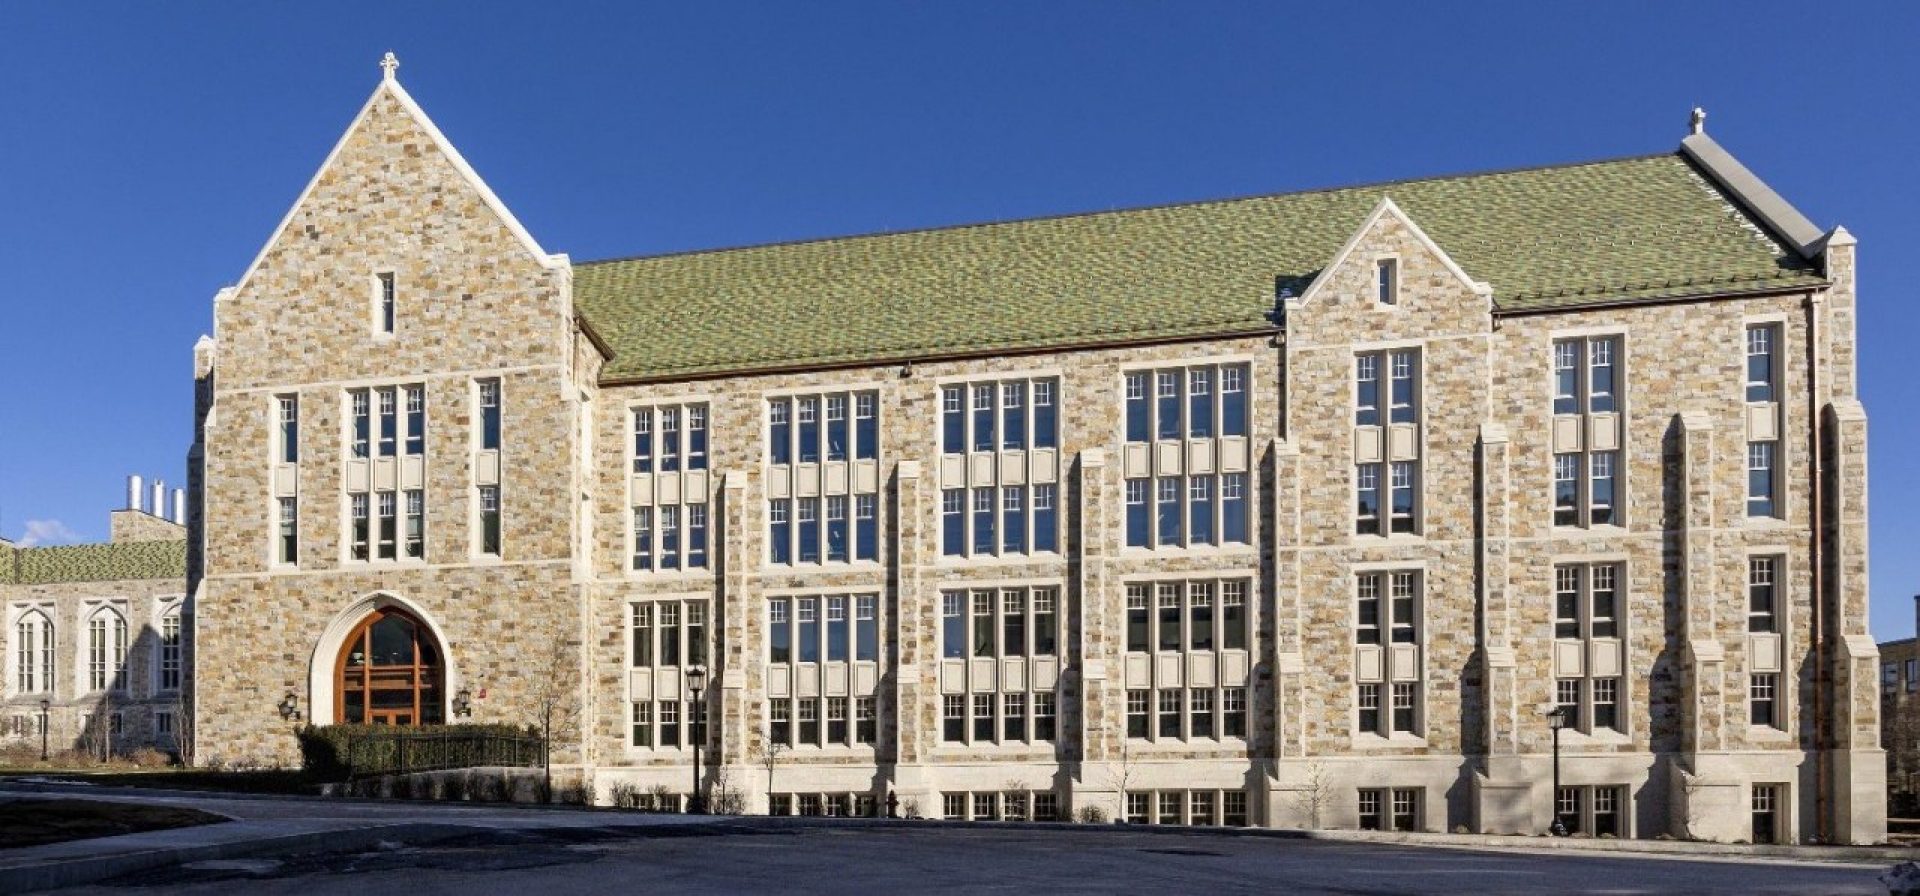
342,752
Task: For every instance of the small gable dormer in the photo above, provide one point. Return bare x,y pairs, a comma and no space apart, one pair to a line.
1389,281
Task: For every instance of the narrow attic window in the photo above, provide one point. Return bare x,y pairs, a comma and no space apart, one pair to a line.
1389,281
384,313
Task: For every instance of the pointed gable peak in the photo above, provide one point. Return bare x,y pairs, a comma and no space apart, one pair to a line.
390,86
1383,209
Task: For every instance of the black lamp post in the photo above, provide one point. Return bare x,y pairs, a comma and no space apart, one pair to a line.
45,705
696,681
1556,720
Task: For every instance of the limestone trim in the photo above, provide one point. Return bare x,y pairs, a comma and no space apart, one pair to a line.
391,87
343,385
362,567
326,652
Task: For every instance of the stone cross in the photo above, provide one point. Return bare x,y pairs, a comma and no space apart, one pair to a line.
1698,122
389,64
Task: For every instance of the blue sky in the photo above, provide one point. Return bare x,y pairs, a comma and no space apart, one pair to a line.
147,150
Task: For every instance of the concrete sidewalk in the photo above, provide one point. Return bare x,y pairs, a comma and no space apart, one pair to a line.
269,825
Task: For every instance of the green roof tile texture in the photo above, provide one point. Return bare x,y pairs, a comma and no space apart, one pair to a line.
107,562
1627,229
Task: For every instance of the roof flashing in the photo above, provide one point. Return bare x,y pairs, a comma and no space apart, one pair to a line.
1775,212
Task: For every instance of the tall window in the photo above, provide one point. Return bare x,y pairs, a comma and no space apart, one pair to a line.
667,634
490,520
839,522
386,422
1387,285
1004,622
1185,403
810,440
1763,608
1196,617
384,312
489,415
1390,675
1762,343
668,439
1587,608
1004,521
106,651
682,438
1010,415
33,653
1761,479
1387,492
288,434
1763,700
170,650
805,635
288,543
1586,382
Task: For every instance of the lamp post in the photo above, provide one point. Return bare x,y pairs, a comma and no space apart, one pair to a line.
1556,720
696,682
45,705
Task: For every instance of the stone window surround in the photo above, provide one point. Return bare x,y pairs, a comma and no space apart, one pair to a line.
1250,656
1784,703
49,614
402,435
1060,658
85,612
1358,738
1352,351
1251,361
681,402
762,399
1624,702
1396,295
1782,445
886,629
165,605
966,382
478,461
1623,411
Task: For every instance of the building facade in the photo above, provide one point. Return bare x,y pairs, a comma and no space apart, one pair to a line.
1900,721
97,645
1288,510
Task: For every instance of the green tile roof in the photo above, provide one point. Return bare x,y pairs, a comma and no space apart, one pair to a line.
106,562
1626,229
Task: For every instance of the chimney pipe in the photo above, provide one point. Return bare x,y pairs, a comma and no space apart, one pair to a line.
159,498
180,506
133,492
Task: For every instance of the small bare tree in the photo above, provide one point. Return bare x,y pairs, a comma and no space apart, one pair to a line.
770,757
555,704
1120,772
1313,798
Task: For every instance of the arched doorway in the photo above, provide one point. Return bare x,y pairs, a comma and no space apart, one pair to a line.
389,672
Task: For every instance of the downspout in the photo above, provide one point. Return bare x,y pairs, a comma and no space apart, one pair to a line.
1816,567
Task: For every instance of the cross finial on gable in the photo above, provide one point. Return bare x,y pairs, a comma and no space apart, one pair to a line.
389,64
1698,123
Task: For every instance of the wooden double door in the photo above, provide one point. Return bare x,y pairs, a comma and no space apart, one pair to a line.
390,672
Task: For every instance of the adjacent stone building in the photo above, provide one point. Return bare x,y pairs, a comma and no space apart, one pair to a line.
1900,720
96,640
1300,509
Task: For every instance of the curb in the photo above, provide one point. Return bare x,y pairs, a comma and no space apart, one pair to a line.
89,869
1678,849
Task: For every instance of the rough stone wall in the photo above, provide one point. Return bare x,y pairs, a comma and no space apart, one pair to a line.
134,525
472,301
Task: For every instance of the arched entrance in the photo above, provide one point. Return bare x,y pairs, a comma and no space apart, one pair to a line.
390,671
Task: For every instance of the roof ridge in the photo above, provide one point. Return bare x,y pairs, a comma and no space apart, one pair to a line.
1065,216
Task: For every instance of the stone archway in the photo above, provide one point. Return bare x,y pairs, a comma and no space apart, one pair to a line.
406,679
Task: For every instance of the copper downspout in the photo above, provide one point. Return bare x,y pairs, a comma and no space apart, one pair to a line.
1818,511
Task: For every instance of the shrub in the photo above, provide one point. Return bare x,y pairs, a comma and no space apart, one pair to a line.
624,794
1092,815
339,752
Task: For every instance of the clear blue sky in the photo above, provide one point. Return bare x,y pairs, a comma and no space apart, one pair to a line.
147,150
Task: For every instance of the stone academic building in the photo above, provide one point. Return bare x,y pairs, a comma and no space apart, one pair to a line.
1299,509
